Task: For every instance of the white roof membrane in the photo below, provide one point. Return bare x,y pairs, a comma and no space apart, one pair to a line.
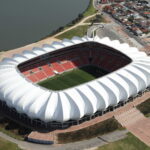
76,102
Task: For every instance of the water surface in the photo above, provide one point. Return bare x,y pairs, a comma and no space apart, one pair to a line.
25,21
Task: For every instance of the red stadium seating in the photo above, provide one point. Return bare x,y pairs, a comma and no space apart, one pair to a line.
96,60
69,60
25,72
40,75
32,78
47,70
84,60
35,69
77,62
68,66
57,67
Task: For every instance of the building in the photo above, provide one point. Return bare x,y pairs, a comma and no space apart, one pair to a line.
22,100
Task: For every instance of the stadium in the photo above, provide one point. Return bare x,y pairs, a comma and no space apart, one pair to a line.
72,81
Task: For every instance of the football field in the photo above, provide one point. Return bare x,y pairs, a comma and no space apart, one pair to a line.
71,78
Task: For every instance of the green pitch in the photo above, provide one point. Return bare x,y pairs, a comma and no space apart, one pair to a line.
72,78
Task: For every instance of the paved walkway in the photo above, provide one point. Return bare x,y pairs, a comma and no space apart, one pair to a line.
86,144
116,32
136,123
86,124
82,22
9,53
141,42
47,40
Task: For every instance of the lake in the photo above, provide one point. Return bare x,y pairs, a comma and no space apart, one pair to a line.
25,21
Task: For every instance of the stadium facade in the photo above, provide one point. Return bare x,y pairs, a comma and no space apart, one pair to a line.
24,101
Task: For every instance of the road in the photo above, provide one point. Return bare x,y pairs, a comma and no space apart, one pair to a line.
114,23
81,145
115,31
130,34
82,22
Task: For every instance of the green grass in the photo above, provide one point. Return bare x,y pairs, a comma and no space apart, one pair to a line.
147,115
78,31
90,10
11,134
73,78
89,132
95,19
82,31
12,129
6,145
67,79
145,108
128,143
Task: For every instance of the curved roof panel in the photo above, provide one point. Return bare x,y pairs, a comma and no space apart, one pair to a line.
76,102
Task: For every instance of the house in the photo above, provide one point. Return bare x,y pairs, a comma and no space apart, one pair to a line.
146,14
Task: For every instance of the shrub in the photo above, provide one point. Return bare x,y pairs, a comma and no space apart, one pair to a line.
89,132
144,107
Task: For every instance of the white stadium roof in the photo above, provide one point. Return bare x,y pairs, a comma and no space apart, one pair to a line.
73,103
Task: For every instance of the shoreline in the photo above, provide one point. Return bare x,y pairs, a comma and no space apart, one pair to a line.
72,23
9,53
50,39
52,35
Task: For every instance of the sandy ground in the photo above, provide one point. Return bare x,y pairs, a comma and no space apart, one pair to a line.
48,40
27,47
